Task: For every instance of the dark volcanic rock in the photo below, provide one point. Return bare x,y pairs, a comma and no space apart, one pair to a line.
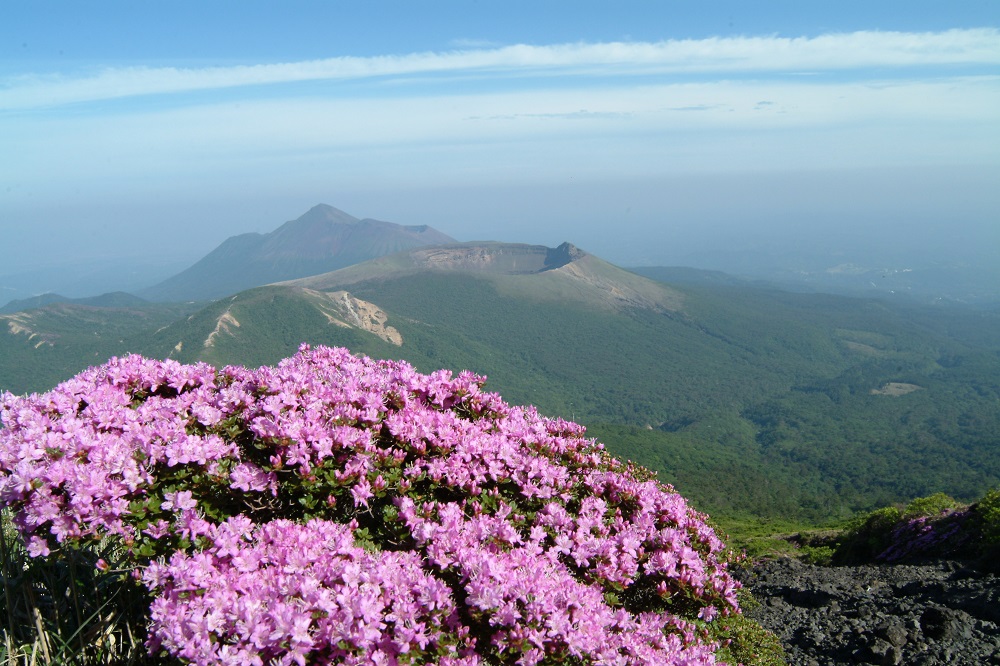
927,614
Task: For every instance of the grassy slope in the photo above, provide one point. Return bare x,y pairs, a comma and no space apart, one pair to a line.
41,347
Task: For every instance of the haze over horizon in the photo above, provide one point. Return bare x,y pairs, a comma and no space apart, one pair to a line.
717,135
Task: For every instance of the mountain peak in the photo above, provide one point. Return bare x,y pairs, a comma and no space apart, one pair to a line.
325,213
321,240
562,255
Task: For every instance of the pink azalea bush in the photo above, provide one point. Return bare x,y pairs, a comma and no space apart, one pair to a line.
337,509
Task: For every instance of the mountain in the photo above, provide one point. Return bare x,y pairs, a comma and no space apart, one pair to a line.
323,239
115,299
562,274
265,324
750,400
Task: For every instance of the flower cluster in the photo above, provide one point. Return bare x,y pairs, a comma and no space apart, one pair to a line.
337,509
284,592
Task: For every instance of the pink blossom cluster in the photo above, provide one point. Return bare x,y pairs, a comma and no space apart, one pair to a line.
289,593
531,599
338,509
75,459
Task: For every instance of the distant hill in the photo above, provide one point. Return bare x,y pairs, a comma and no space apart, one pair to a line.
690,276
323,239
39,301
40,347
84,277
113,299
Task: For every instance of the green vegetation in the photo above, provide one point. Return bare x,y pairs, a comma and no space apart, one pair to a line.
42,347
67,611
934,526
937,525
989,517
749,643
761,406
926,507
868,535
790,418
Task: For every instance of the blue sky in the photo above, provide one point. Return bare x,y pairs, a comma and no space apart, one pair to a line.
646,132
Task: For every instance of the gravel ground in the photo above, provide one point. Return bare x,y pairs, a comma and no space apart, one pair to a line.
925,614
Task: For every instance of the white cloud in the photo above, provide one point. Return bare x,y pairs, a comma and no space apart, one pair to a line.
720,55
626,131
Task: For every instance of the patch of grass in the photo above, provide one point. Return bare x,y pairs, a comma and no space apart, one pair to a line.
745,641
65,610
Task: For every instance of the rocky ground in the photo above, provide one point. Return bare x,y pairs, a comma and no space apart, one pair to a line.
940,612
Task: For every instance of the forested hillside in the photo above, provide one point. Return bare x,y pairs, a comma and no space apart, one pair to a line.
753,402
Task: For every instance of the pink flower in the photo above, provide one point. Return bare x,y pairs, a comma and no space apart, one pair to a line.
265,477
38,547
179,501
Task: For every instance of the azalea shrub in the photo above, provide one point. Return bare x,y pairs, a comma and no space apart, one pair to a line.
934,526
338,509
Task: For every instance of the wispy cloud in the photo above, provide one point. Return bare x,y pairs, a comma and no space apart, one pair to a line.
627,131
470,43
834,52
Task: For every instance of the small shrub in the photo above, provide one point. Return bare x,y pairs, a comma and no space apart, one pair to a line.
746,642
928,507
817,555
768,547
988,517
866,536
925,536
750,643
934,526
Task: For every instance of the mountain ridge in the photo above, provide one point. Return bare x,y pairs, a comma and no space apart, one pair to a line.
549,274
110,299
